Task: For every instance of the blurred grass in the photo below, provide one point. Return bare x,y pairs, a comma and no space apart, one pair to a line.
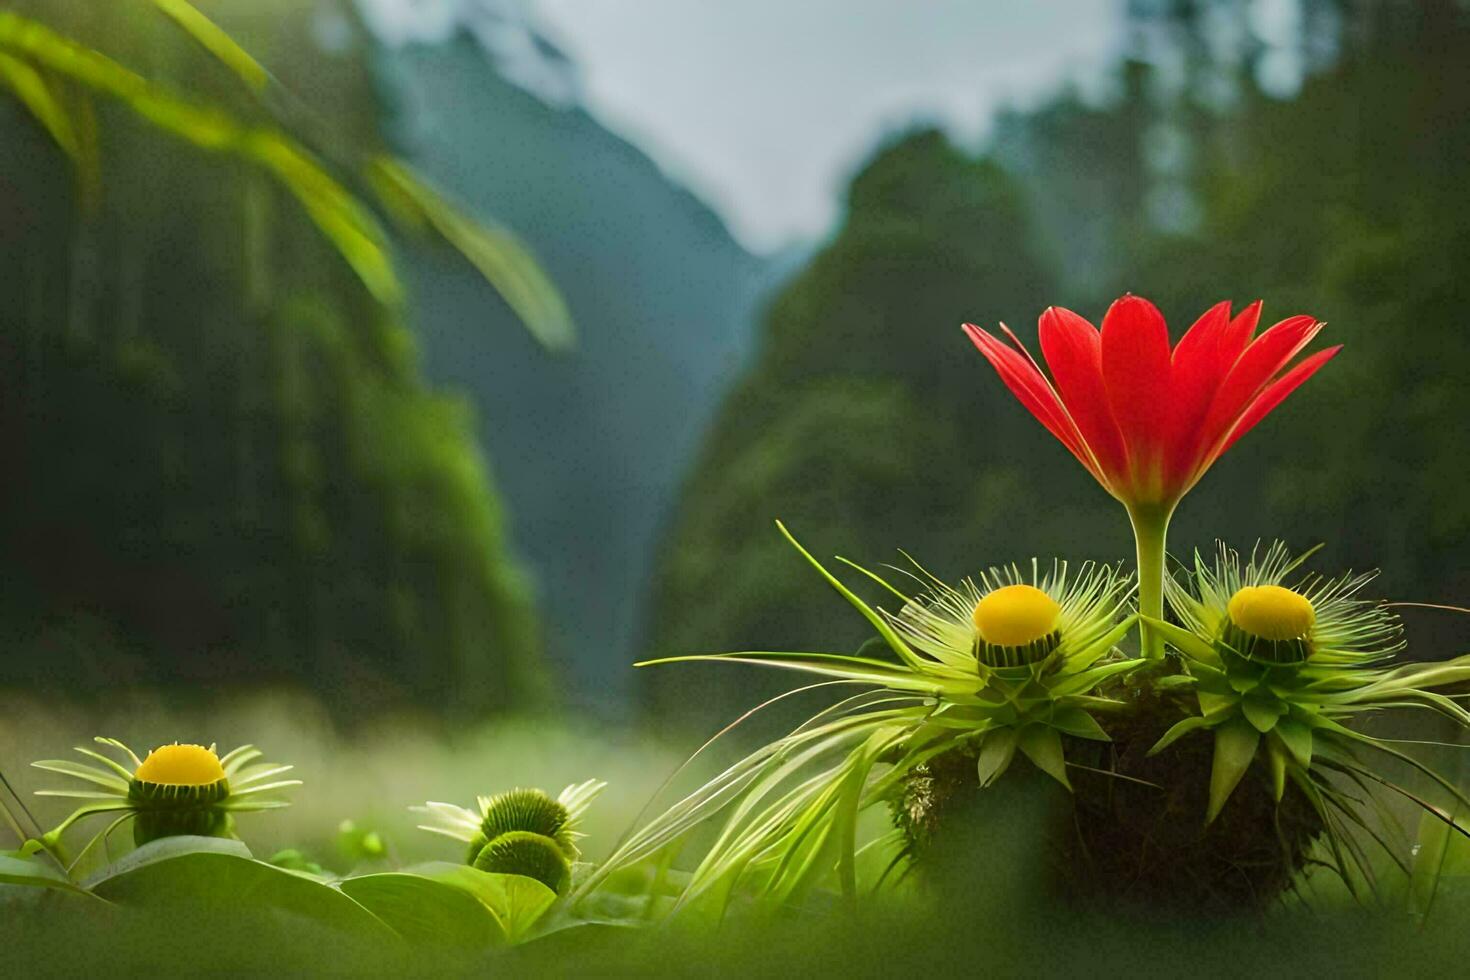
370,774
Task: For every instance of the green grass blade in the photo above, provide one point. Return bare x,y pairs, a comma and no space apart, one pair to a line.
504,260
31,89
340,217
216,41
498,255
837,665
882,625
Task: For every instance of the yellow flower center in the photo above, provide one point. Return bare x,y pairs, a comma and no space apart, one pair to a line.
1272,612
181,765
1016,615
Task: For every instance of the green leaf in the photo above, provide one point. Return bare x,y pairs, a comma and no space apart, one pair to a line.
212,875
875,672
504,261
1064,685
166,849
885,630
1276,766
1441,851
1244,681
1177,731
1194,647
516,901
34,871
996,752
1212,705
1075,721
1043,746
1235,747
1297,737
1261,712
338,215
214,40
33,92
427,910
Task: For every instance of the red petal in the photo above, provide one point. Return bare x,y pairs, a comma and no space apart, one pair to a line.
1266,403
1135,364
1195,375
1270,352
1238,335
1073,351
1031,388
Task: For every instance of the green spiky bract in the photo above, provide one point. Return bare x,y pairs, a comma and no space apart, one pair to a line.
526,810
521,852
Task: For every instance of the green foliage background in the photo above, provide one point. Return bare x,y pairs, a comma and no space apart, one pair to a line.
222,462
869,423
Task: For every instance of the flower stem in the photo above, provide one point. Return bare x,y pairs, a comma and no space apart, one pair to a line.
1150,531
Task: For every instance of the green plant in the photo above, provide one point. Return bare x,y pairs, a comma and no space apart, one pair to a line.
1282,672
178,790
1005,665
984,672
522,831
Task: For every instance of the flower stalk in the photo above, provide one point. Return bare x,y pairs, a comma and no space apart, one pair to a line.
1150,532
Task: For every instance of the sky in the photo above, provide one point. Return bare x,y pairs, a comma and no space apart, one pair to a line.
764,108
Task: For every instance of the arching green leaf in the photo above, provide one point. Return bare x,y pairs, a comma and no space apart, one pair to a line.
516,901
209,876
427,910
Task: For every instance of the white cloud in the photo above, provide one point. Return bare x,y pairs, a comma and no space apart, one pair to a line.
763,107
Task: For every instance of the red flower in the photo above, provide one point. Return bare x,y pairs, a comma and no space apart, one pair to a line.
1146,421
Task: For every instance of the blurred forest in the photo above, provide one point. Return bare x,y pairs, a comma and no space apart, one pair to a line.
222,461
591,446
232,465
227,463
1322,169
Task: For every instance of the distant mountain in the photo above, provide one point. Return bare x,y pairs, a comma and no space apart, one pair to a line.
592,446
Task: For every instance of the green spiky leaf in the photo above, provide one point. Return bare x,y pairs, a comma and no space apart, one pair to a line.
1297,737
1177,731
1075,721
996,752
1043,746
1262,712
1235,747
